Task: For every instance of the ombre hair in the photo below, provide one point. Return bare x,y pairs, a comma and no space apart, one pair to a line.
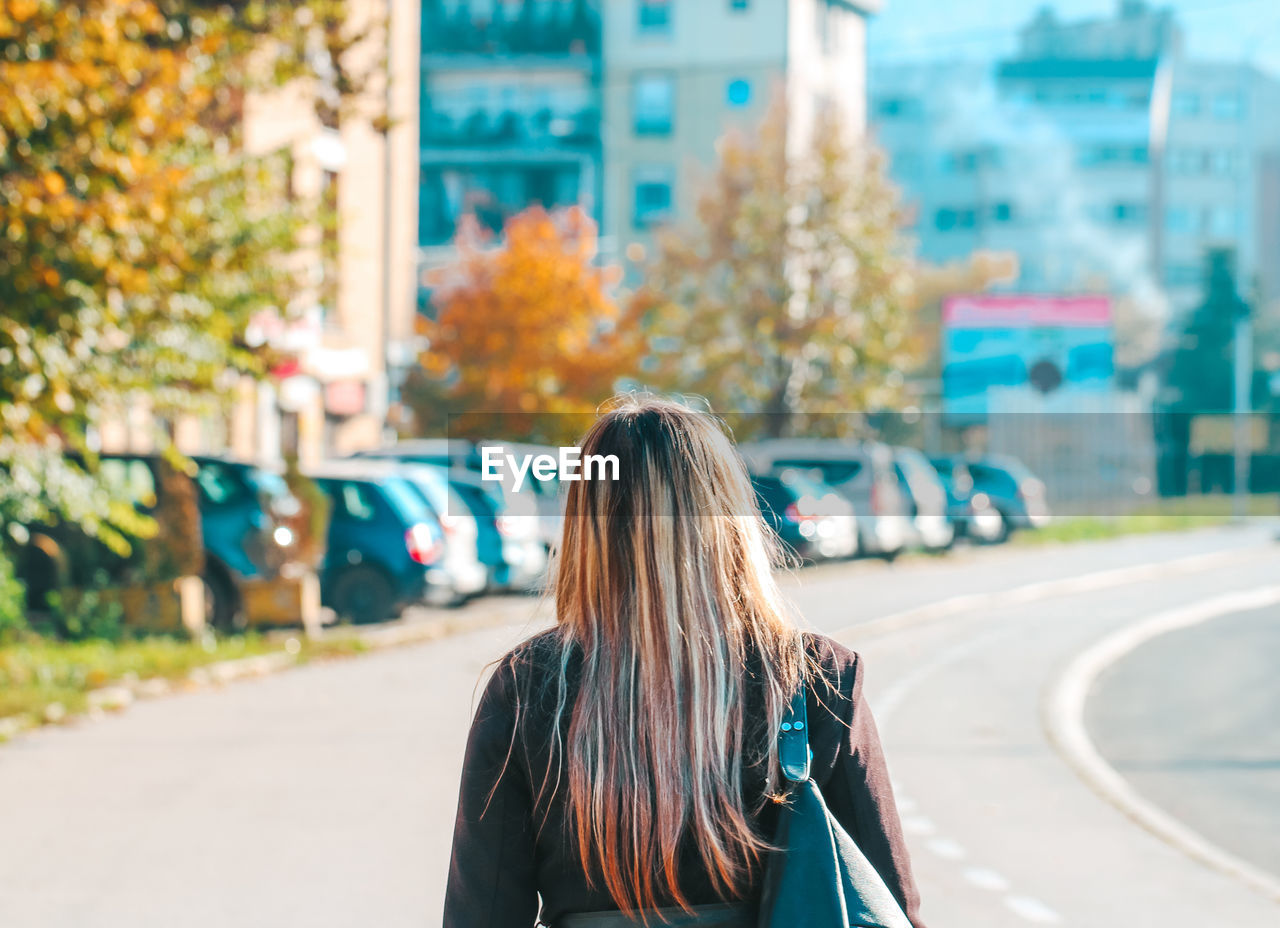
664,588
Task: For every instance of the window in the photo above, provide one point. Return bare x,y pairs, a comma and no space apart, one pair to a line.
738,92
1128,213
357,502
1185,103
1186,160
652,196
1223,162
217,485
654,17
898,108
953,218
1228,105
1182,275
1181,220
653,100
1223,222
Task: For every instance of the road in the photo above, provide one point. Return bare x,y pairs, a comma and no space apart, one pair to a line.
324,796
1159,717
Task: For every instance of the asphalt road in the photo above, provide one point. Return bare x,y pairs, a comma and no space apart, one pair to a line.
1192,719
325,796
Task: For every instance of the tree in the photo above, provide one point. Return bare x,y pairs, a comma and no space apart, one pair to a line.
526,338
790,299
139,237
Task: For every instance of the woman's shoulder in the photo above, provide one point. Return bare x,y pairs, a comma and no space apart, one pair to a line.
838,666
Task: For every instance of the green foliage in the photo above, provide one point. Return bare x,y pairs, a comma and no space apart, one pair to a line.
791,299
35,672
1202,370
84,615
13,607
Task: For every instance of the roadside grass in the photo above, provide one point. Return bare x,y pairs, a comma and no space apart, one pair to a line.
45,680
1173,515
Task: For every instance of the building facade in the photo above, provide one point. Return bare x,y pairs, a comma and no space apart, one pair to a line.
1099,154
613,105
509,111
670,93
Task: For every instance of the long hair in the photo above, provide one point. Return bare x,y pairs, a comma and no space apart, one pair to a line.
664,588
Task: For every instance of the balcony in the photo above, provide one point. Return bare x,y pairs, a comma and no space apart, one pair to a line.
543,129
572,30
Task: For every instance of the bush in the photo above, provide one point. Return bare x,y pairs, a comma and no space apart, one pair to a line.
13,601
81,615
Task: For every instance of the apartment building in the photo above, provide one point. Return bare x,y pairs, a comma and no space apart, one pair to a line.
509,111
614,105
1099,153
678,74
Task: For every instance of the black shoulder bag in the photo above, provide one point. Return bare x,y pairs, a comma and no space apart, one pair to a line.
819,878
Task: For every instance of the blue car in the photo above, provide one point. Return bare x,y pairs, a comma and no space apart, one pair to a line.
385,546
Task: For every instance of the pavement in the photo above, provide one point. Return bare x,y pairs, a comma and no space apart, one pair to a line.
324,796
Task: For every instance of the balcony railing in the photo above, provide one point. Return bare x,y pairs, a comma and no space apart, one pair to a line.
543,128
571,29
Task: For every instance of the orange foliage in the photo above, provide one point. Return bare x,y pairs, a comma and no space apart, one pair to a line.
527,336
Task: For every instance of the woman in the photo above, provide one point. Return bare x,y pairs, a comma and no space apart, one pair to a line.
626,759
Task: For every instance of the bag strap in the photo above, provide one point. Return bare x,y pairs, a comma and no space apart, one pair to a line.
793,739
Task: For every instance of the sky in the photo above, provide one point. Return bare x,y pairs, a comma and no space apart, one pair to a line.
1228,30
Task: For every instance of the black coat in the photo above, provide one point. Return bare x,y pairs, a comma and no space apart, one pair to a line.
506,852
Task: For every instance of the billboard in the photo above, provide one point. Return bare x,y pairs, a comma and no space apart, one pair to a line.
1024,352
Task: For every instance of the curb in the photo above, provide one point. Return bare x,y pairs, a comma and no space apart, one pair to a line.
119,695
1063,719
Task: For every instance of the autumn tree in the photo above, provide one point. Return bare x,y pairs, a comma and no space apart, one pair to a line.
789,298
526,337
138,236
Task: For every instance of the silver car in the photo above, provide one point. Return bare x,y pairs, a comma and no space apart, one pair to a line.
862,471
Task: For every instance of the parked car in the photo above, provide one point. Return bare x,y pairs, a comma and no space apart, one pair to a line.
861,471
810,519
243,539
468,575
546,495
386,548
1014,492
509,543
971,513
537,498
242,512
926,499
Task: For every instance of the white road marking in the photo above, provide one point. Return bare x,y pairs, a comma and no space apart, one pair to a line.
985,878
1064,723
948,849
918,825
1032,909
1027,907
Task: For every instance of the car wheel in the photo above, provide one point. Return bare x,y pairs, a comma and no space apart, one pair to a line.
362,594
1006,529
221,604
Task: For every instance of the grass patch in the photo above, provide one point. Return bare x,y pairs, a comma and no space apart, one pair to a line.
1171,515
37,672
